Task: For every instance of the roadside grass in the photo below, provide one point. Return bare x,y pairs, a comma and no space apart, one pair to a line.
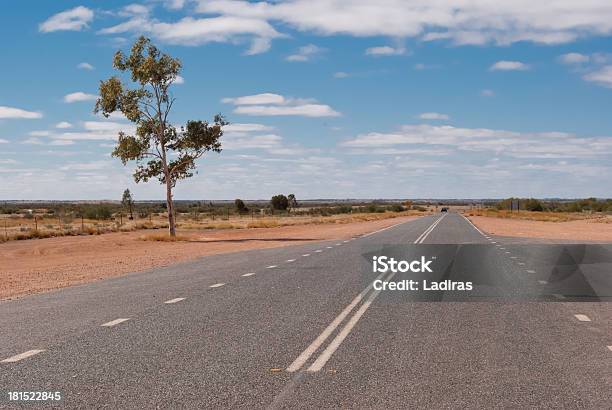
24,229
164,237
541,216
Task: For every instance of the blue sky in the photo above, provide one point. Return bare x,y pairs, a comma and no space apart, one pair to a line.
326,99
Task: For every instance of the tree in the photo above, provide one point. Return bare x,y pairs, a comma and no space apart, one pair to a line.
240,206
279,202
170,154
128,202
293,203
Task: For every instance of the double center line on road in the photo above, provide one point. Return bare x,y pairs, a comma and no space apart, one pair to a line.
322,359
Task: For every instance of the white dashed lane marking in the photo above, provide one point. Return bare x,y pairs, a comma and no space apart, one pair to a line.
217,285
542,282
329,247
249,274
115,322
271,267
175,300
21,356
290,260
318,250
306,254
582,318
530,271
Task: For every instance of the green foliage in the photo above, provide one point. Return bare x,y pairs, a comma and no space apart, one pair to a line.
279,202
128,202
98,212
293,203
240,206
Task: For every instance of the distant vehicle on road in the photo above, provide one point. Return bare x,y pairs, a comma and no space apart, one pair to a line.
444,210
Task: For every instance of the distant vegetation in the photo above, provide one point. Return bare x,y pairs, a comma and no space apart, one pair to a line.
22,220
536,205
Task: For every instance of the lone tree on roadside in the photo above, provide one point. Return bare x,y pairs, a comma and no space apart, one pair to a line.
170,154
128,202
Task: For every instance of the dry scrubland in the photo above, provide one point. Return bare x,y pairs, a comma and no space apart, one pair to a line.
20,227
567,226
542,216
40,265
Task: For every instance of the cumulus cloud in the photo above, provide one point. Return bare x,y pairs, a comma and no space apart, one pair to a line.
75,19
602,76
11,112
78,97
385,51
433,116
63,125
573,58
179,80
85,66
476,22
543,145
197,31
305,53
509,66
268,104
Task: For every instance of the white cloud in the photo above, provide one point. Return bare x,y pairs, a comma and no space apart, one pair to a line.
11,112
509,66
74,19
305,53
385,51
3,141
433,116
487,93
78,97
305,110
473,22
63,125
39,133
269,104
85,66
193,32
265,98
174,4
179,80
602,76
574,58
33,141
341,74
543,145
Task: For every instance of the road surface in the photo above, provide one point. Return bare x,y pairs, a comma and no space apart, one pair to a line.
303,327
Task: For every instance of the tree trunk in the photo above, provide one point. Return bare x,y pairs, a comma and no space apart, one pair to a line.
170,206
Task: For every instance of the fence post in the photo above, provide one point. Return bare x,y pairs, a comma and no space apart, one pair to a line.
35,224
5,231
82,224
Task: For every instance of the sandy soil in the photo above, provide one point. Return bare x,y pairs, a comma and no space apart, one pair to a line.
34,266
582,230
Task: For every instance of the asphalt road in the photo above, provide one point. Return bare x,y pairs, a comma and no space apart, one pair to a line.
304,327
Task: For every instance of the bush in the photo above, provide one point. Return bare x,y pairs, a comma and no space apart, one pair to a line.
241,208
98,212
279,202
